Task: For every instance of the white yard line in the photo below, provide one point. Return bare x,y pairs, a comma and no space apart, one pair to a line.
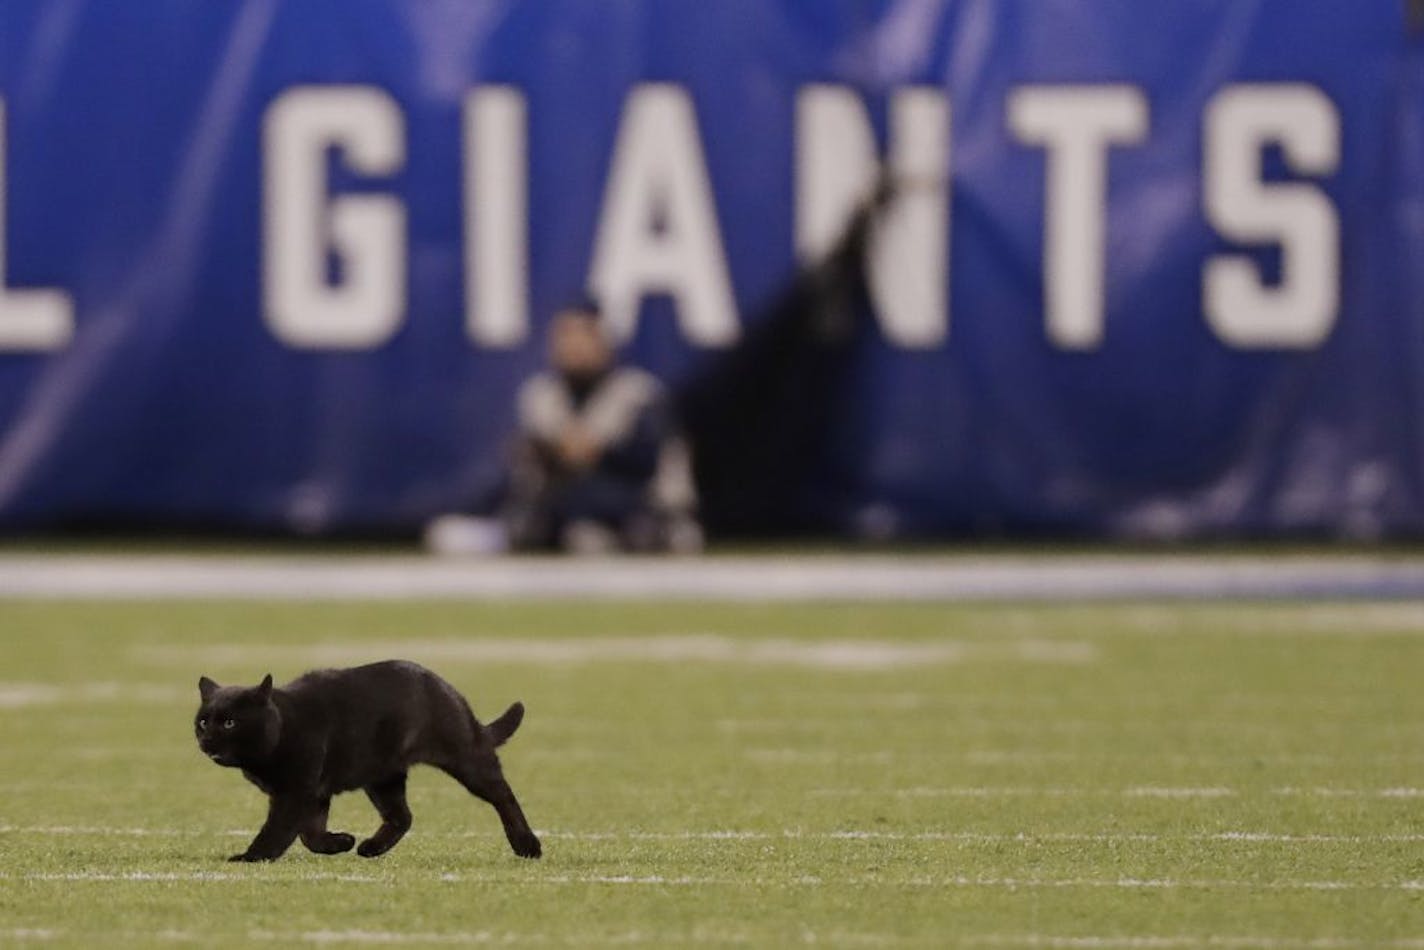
1025,791
1027,729
721,936
1183,942
951,882
1036,757
642,937
24,695
988,792
1153,791
732,578
320,937
1327,792
351,937
102,832
386,937
678,649
1041,756
1247,837
1032,791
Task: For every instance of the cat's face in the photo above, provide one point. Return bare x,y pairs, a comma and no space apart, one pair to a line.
236,725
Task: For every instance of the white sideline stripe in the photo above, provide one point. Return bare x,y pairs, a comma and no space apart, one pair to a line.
658,880
1260,837
839,654
731,578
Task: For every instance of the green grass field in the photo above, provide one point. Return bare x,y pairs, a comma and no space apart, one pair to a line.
1108,776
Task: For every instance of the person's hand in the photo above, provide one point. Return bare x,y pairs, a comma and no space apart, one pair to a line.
578,449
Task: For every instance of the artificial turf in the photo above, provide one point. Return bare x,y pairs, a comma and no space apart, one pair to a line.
1136,775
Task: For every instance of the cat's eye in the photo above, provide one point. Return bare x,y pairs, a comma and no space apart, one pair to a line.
229,723
202,724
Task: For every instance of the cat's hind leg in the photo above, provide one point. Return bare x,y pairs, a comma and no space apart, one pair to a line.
318,839
484,779
389,798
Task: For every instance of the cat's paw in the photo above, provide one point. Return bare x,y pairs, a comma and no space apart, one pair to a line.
526,845
247,858
329,842
371,848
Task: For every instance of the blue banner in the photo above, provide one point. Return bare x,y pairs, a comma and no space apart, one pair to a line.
1152,270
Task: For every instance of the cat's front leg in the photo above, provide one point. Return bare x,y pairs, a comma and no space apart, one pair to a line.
316,836
285,816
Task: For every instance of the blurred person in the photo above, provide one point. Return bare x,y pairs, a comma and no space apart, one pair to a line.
599,463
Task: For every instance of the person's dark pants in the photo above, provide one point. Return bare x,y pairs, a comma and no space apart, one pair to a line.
606,499
619,504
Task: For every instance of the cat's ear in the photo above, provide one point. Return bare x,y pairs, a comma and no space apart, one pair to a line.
206,687
265,687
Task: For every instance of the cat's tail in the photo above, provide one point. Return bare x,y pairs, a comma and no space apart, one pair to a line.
502,728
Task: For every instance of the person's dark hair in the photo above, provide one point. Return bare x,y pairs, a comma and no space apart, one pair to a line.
587,305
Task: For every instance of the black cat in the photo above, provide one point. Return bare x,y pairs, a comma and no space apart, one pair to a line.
333,731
